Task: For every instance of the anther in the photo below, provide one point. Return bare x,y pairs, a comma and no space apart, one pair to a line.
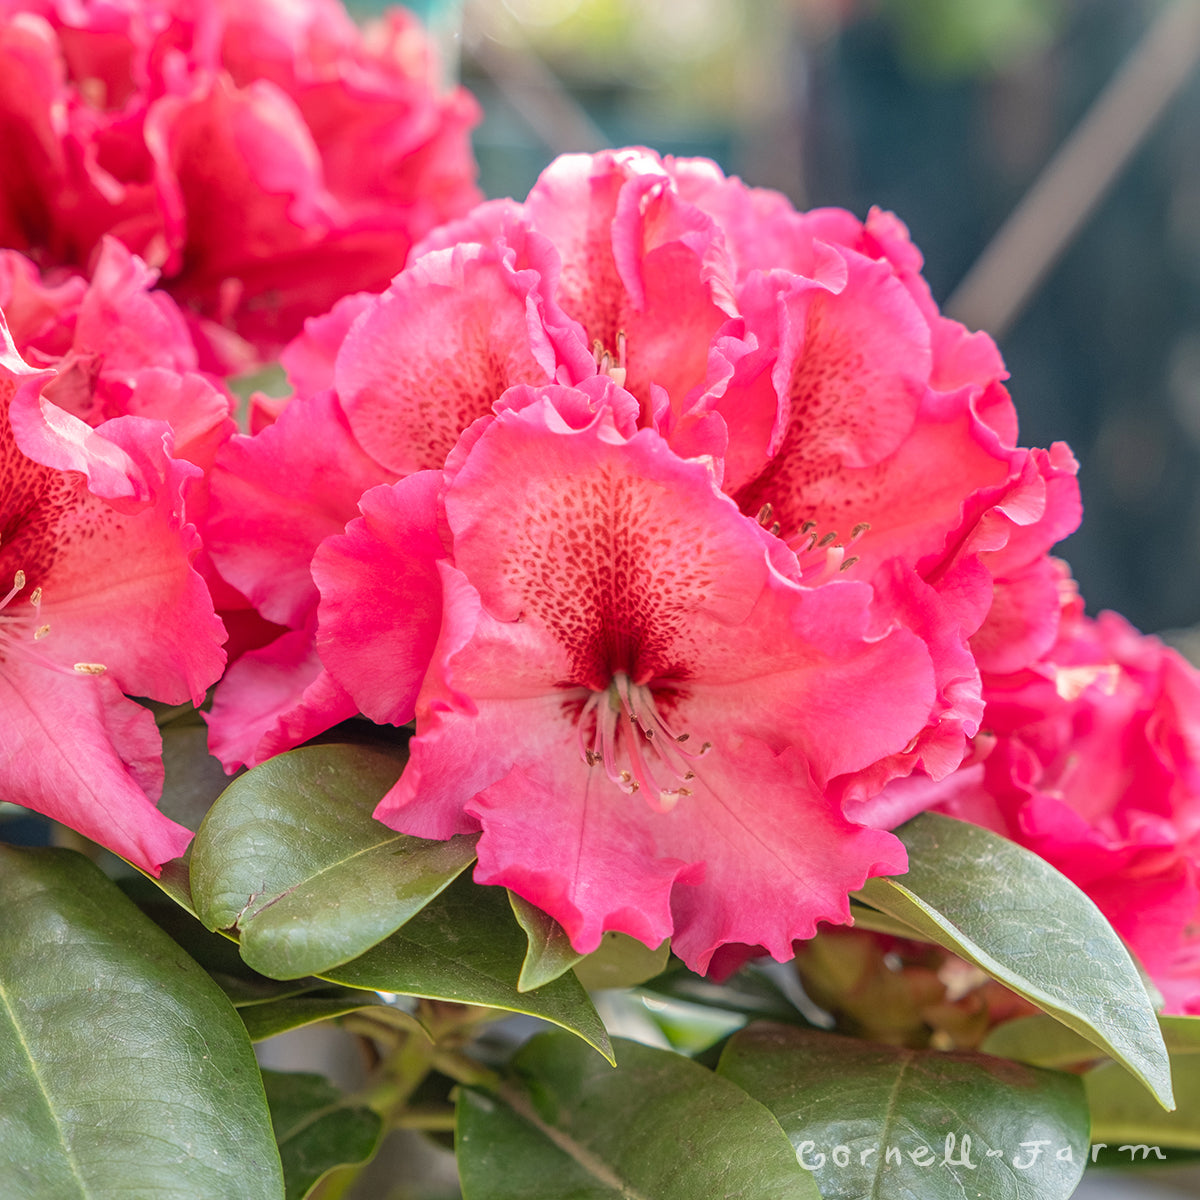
859,530
764,513
849,563
90,668
18,581
40,632
683,737
808,526
35,597
829,537
775,528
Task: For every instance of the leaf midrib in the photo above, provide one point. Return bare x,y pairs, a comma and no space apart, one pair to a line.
67,1152
578,1153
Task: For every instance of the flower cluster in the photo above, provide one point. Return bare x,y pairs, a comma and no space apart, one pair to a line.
681,523
697,544
266,157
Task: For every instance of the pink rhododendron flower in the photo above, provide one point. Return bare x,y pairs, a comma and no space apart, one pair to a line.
268,157
1091,758
625,694
100,600
866,432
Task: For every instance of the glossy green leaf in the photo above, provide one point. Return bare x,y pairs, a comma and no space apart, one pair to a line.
1011,913
621,961
280,1014
660,1126
885,1123
549,953
291,857
124,1070
467,947
1123,1114
318,1129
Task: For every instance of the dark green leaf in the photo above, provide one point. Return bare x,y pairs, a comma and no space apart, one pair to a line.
124,1070
467,947
291,856
621,961
875,1122
1012,914
278,1015
317,1128
549,952
658,1126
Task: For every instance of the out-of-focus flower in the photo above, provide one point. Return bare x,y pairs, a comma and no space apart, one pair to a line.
1091,758
890,989
101,600
639,711
267,157
118,348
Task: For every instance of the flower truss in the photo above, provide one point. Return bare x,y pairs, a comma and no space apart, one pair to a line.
266,157
658,458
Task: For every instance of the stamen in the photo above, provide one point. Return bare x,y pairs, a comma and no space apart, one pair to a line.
623,722
18,584
35,597
764,513
40,632
849,563
859,529
90,668
831,536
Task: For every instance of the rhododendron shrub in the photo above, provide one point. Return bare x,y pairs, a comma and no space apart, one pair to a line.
645,568
267,157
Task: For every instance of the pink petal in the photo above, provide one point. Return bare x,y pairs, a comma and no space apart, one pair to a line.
435,352
382,566
77,751
273,699
278,495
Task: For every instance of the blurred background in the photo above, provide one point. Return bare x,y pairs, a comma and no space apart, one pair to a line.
1082,116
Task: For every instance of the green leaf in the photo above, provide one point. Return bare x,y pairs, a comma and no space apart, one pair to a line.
291,857
658,1126
549,952
124,1070
882,1122
466,947
1011,913
1045,1043
621,961
317,1128
278,1015
1123,1114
